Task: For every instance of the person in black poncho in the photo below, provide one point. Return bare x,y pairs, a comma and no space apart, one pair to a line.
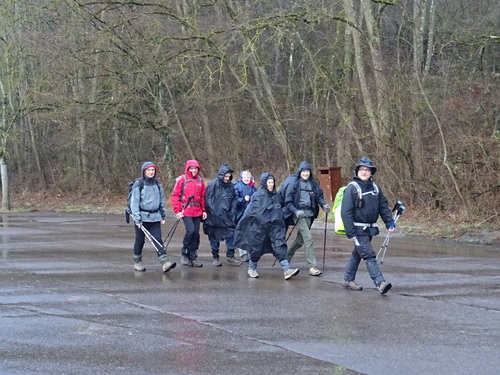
261,230
220,205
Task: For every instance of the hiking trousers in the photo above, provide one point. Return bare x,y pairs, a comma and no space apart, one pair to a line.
304,237
363,251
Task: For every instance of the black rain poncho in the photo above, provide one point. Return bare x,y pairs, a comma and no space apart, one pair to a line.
261,230
220,205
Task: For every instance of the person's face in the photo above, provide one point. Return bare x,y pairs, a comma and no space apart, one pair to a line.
246,178
270,184
193,171
305,174
227,177
150,172
364,173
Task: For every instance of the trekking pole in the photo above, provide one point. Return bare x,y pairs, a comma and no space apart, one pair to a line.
324,241
176,224
386,240
289,234
151,238
397,215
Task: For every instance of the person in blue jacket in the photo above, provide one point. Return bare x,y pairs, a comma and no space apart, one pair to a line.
147,203
245,188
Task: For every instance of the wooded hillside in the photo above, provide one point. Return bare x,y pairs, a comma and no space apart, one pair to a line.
90,89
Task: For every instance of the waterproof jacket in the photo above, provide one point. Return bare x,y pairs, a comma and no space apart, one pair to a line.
189,188
220,204
147,204
262,228
243,190
290,194
373,205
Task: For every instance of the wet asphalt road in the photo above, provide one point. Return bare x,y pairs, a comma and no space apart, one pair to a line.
70,303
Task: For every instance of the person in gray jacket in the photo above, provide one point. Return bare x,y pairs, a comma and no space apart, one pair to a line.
301,196
147,203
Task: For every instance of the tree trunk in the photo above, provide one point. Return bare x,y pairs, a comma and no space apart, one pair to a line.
361,73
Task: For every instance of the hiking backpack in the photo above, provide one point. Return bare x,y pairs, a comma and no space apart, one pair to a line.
337,204
128,210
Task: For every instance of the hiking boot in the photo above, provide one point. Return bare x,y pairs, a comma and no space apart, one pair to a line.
216,262
384,287
139,267
195,263
314,271
291,273
233,260
168,266
351,285
253,273
184,260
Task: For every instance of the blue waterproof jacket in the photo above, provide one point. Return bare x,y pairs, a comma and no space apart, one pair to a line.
147,204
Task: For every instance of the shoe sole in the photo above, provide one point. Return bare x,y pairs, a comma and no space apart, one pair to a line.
355,289
199,266
171,267
386,289
316,274
293,274
143,270
253,277
217,265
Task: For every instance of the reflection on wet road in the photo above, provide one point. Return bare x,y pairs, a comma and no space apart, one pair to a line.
70,302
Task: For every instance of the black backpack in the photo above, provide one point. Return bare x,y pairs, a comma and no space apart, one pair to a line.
128,210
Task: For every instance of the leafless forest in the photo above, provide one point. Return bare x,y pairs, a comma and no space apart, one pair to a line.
92,88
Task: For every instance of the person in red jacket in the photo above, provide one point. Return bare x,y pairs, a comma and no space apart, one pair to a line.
188,203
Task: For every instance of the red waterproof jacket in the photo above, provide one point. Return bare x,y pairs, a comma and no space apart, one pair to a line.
189,188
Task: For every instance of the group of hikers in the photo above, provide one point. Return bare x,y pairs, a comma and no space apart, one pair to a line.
254,221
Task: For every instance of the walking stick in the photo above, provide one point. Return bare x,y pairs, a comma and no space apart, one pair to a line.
174,227
398,213
324,241
151,238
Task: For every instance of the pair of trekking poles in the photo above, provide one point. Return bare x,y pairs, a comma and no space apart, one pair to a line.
169,234
398,211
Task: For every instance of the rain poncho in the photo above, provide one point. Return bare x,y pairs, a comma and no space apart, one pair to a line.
220,205
262,228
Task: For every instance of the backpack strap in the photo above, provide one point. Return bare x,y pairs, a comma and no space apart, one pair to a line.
358,189
186,180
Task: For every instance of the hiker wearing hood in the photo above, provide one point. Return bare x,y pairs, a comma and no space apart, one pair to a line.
220,203
302,196
261,230
147,204
244,188
359,215
188,203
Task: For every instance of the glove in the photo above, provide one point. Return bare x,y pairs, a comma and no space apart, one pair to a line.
299,214
327,208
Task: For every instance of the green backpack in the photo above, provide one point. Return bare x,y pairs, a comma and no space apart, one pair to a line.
337,204
337,207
